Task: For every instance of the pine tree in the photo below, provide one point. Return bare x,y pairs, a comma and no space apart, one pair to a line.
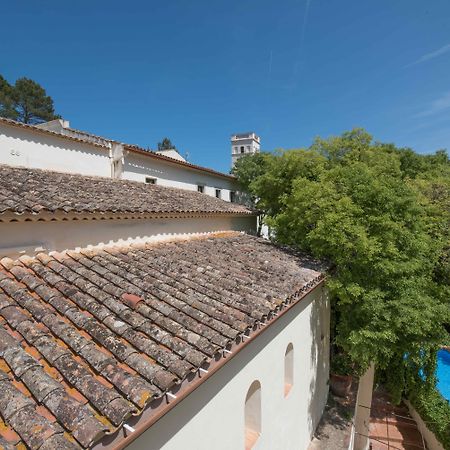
166,144
6,102
32,103
25,102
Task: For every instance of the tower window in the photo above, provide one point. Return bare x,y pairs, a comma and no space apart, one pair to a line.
235,150
200,188
150,180
252,415
242,149
218,193
232,196
288,369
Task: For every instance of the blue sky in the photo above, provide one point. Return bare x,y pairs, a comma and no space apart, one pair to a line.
198,71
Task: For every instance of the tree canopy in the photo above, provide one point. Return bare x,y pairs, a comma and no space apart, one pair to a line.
6,101
25,102
166,144
380,215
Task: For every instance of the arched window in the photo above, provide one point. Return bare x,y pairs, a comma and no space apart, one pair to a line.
288,369
252,415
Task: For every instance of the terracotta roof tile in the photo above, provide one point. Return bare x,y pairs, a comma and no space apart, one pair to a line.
89,338
34,191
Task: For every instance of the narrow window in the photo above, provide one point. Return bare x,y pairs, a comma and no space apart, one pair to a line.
201,188
235,150
242,149
252,415
248,148
288,369
150,180
232,196
218,193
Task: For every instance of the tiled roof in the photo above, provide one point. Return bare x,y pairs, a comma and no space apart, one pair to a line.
36,129
34,191
91,339
153,154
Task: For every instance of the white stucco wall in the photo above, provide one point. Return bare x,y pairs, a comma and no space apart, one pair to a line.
137,167
32,148
18,238
29,148
171,153
212,417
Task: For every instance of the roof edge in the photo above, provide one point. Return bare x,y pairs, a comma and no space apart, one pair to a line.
137,149
129,147
36,129
122,437
58,216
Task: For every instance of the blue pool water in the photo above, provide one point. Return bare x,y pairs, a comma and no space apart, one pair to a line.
443,373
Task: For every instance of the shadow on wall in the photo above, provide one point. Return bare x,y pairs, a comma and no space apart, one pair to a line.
168,170
166,428
34,137
24,237
320,324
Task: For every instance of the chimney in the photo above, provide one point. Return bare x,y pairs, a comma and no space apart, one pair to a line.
57,125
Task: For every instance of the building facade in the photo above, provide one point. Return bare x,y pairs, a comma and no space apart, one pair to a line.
243,144
147,315
287,409
56,146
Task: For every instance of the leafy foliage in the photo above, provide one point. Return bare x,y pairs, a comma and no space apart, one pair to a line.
341,365
380,215
26,101
166,144
434,410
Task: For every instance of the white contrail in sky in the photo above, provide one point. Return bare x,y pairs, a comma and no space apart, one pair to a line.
439,105
440,51
302,40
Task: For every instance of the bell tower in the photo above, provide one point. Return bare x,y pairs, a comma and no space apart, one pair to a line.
244,144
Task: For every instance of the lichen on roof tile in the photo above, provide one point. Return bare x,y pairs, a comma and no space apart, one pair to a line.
27,191
90,338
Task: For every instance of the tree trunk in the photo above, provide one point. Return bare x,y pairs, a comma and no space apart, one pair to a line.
362,409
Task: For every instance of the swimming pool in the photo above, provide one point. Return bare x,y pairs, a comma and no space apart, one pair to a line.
443,373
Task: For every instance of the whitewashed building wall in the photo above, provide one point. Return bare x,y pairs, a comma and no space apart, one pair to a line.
213,415
137,167
29,237
31,148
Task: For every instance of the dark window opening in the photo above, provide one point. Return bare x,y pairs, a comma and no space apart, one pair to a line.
218,193
150,180
232,197
242,149
201,189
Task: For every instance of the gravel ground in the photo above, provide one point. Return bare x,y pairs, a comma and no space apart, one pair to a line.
333,432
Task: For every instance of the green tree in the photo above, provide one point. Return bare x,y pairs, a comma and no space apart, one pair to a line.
166,144
6,101
31,102
378,215
248,169
26,102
